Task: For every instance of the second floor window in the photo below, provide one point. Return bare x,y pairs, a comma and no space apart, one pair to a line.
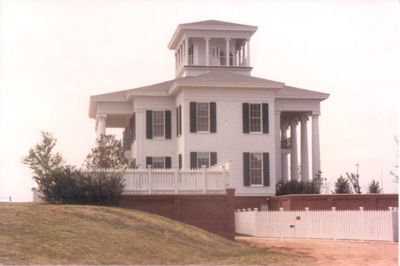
255,118
158,124
203,117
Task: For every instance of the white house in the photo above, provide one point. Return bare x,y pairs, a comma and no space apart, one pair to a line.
214,110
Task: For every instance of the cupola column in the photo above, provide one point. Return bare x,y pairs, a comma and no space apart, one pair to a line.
186,51
304,149
248,52
207,51
227,51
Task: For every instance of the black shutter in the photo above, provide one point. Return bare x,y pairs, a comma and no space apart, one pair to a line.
149,124
246,169
180,120
168,162
180,161
193,160
213,117
213,158
266,168
265,118
246,115
193,117
177,121
149,161
168,124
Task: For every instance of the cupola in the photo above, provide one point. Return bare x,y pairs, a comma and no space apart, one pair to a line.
201,47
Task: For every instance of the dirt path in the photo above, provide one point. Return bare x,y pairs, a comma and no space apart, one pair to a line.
330,252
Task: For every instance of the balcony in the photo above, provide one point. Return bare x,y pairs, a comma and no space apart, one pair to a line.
286,144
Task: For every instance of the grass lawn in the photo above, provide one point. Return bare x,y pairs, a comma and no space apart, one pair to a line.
38,233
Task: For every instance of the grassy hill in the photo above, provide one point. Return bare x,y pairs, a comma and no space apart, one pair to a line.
37,233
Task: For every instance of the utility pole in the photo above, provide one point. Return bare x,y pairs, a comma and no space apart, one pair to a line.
358,179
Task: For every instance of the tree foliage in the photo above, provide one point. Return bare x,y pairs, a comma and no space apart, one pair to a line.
355,182
313,186
108,154
342,186
373,187
58,183
41,159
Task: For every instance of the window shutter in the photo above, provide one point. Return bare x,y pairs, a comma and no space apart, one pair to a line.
180,161
266,168
246,115
213,117
180,120
193,160
213,158
149,161
265,118
149,124
246,169
193,117
177,121
168,124
168,162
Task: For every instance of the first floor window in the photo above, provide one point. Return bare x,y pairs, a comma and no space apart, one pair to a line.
256,169
198,159
158,162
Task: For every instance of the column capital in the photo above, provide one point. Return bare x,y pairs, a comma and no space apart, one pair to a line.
304,118
315,114
227,39
102,116
277,112
207,38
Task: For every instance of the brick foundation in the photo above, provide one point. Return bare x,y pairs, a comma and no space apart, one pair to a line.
213,213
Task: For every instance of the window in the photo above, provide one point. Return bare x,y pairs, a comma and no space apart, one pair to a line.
203,117
159,162
256,169
255,118
179,120
158,124
198,159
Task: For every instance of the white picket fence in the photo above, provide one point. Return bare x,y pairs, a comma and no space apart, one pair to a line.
212,180
350,225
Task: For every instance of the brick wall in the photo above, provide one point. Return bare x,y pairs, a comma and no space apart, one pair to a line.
213,213
340,201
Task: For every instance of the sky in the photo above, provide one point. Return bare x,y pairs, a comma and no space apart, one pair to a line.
55,54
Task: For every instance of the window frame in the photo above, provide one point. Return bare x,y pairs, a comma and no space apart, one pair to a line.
208,158
203,117
158,158
162,125
261,169
260,118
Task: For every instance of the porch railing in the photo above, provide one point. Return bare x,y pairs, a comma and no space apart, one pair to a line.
286,143
214,180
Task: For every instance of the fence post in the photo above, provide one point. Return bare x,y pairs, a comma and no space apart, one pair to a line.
391,224
255,222
149,176
307,222
334,224
204,176
362,225
281,221
224,176
176,179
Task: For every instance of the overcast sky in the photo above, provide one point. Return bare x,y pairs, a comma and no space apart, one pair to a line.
56,54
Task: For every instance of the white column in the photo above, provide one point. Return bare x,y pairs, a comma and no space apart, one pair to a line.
207,51
186,51
248,52
285,161
305,175
240,56
278,151
101,126
227,51
140,138
316,159
294,163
